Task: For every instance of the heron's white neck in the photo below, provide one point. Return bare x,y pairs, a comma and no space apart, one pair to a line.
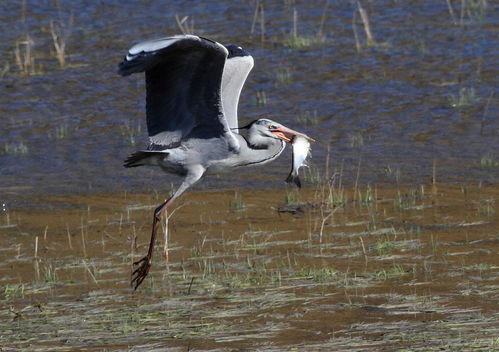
260,152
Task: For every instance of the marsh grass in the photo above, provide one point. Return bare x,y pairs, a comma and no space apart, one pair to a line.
4,70
487,207
489,161
387,246
261,98
474,10
471,10
332,192
300,42
466,97
6,217
393,272
291,197
237,204
308,118
368,197
19,148
60,132
262,268
50,275
296,41
283,75
258,15
130,132
312,175
185,24
369,41
410,199
60,31
11,291
24,55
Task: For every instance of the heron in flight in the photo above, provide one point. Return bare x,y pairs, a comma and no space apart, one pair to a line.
192,92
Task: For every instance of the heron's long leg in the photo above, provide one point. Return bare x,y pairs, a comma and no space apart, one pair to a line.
145,263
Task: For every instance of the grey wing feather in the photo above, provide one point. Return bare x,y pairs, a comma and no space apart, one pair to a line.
183,84
235,72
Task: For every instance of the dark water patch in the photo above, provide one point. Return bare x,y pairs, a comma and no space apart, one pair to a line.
388,104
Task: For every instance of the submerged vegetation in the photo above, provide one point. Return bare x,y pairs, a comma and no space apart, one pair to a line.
465,97
340,256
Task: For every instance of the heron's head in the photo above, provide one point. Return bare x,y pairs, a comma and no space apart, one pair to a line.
261,129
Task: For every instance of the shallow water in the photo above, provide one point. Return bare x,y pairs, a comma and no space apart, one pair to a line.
388,105
401,269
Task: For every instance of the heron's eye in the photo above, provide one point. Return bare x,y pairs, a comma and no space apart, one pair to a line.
272,127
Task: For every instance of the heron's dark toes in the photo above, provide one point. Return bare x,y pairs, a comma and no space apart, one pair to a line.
140,261
141,272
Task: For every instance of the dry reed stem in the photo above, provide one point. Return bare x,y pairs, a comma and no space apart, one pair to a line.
259,13
485,112
363,249
90,272
367,26
357,179
295,23
69,237
262,23
165,231
25,60
451,12
23,11
323,223
61,32
36,247
255,16
355,34
165,245
463,7
323,19
183,24
84,247
4,70
434,188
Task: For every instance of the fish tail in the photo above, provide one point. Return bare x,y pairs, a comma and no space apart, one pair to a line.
293,178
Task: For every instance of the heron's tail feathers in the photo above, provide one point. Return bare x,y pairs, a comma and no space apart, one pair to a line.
143,157
293,178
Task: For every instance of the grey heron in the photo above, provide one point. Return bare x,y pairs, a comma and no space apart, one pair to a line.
193,86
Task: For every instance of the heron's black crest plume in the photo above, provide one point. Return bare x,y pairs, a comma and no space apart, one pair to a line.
244,127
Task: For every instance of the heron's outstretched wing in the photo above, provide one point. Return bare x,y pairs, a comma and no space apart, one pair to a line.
237,67
183,83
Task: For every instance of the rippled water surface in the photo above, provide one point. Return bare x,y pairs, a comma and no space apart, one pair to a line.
394,106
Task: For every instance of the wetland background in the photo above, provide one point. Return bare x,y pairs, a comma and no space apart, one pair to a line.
392,245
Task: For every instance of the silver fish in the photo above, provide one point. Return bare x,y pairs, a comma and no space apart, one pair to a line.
301,149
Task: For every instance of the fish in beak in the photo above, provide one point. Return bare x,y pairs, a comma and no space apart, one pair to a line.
282,132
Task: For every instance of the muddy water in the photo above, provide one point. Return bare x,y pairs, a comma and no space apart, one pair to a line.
425,91
413,269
